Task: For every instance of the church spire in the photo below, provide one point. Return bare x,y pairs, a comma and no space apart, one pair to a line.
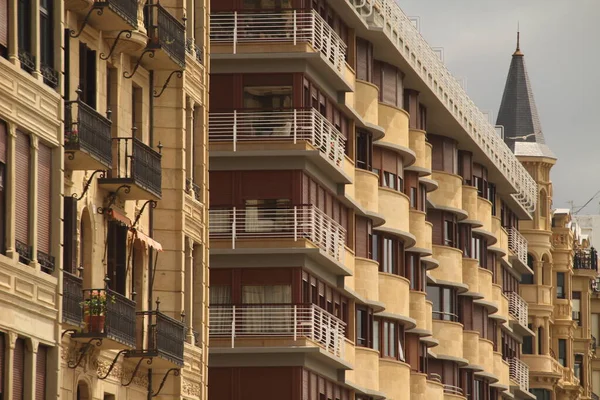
518,50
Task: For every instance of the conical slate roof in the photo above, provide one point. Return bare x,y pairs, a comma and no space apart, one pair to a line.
518,113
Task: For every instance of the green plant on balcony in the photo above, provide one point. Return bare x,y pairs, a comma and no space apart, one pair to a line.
94,310
71,138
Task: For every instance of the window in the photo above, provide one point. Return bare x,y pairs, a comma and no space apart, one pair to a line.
423,199
40,373
444,154
320,293
510,283
527,279
267,294
388,338
44,214
22,192
578,368
364,326
3,29
510,346
3,148
541,394
390,180
491,196
577,307
465,166
527,347
413,197
87,75
444,302
388,251
480,180
560,285
449,232
117,257
562,352
465,239
389,167
364,60
415,272
47,42
364,149
18,369
268,97
388,79
24,20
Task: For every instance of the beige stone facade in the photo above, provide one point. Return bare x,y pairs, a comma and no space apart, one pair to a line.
104,288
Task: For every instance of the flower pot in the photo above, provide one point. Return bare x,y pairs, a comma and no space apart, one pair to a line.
95,323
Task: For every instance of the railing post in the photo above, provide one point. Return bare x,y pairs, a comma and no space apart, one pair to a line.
234,32
295,30
233,327
312,28
233,228
312,322
234,130
295,223
295,321
313,126
295,116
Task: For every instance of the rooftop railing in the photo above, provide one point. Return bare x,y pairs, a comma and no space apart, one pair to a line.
518,308
285,125
519,372
400,30
296,223
586,259
293,26
517,244
278,320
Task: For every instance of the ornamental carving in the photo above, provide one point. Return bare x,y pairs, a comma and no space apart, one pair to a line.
122,373
190,388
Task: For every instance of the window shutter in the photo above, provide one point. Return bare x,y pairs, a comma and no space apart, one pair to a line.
18,369
44,198
69,235
4,23
40,373
389,84
2,352
22,152
361,59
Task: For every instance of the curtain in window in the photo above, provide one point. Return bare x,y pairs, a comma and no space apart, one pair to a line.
276,316
220,316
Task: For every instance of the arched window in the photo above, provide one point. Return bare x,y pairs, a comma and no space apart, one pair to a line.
83,391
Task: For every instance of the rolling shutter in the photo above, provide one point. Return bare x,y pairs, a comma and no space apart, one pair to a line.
18,369
388,84
69,235
44,197
22,152
4,23
40,373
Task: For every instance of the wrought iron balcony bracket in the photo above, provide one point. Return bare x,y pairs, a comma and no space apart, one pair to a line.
68,331
136,369
137,217
112,199
99,11
88,183
127,75
128,34
83,351
112,365
179,75
162,383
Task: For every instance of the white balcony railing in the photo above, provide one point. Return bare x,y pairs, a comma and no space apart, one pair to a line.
517,244
297,222
451,389
283,27
518,308
519,372
280,320
287,126
400,30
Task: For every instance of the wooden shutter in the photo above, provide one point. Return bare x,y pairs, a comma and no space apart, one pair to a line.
18,369
40,373
69,235
362,58
117,256
389,84
22,152
2,353
437,234
44,197
4,23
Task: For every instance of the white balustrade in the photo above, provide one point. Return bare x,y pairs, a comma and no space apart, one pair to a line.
518,308
297,222
278,320
286,125
291,26
519,372
517,244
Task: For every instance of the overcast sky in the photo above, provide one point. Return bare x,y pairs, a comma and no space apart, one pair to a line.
561,43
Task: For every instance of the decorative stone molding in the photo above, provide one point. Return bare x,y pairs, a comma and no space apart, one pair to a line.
122,373
191,388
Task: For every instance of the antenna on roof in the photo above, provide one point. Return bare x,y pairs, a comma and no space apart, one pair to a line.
518,37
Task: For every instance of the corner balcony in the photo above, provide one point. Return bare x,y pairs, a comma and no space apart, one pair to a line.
289,230
159,338
518,309
291,34
517,246
136,170
276,325
282,133
72,312
166,38
109,319
519,373
87,138
585,263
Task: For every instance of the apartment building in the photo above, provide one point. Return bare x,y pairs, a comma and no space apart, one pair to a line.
365,215
104,264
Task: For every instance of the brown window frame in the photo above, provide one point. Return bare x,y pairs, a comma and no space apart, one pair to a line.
395,338
365,327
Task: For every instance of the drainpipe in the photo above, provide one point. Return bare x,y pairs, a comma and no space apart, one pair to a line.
150,221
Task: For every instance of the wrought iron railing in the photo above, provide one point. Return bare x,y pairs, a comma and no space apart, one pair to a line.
27,60
278,320
193,189
517,244
25,252
193,49
162,336
518,308
306,125
72,311
46,262
291,222
594,343
166,32
293,26
127,9
586,259
139,162
87,130
50,75
595,396
519,372
109,314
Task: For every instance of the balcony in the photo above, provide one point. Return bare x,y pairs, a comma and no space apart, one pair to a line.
585,263
72,312
519,373
517,246
518,309
87,138
240,325
293,228
290,34
160,338
284,133
165,33
107,15
109,318
138,167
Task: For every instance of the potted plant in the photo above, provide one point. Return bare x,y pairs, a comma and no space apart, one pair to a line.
72,138
94,310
